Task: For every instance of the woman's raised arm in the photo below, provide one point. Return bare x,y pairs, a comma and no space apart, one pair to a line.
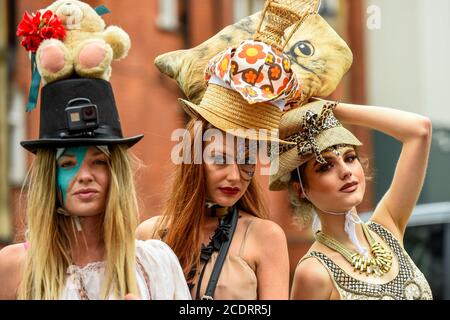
414,131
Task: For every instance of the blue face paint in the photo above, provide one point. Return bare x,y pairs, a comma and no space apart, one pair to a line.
64,176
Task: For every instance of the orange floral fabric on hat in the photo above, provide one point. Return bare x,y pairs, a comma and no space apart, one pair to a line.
258,71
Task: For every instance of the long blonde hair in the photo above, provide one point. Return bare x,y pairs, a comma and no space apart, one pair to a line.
183,213
49,253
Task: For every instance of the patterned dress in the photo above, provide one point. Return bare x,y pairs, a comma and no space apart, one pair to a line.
409,284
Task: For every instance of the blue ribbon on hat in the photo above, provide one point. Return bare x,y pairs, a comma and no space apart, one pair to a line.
102,10
35,83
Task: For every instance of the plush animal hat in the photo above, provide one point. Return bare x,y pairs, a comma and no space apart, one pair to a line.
68,39
250,84
319,57
74,111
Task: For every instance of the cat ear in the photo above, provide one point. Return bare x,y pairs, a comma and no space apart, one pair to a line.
170,63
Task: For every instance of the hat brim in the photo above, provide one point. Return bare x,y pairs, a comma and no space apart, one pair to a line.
34,145
226,125
290,160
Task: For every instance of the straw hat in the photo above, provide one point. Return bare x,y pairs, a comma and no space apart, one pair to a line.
250,85
313,128
226,110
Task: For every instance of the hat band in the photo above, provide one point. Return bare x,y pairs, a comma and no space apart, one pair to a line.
102,132
312,125
232,111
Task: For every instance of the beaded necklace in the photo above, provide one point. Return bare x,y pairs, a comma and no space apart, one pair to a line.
379,265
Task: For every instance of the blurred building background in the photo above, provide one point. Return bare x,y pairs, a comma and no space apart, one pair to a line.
400,52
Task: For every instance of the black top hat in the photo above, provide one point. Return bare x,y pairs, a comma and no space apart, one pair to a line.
77,112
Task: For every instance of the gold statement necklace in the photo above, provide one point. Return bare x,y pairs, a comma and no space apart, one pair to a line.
378,265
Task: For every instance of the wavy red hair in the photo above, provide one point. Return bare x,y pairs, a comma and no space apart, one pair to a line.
183,213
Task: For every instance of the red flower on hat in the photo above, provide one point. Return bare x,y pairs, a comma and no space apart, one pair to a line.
37,27
252,53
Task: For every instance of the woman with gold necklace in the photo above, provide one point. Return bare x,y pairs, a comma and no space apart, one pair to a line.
351,259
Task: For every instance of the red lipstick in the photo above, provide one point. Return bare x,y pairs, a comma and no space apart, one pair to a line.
230,191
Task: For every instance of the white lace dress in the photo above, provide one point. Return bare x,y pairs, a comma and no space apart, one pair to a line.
158,273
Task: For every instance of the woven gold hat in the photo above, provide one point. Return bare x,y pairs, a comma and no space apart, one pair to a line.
227,110
250,85
280,16
313,128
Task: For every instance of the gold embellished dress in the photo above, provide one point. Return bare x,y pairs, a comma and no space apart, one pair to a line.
409,284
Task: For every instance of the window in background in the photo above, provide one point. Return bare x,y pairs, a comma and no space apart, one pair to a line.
168,19
17,132
245,8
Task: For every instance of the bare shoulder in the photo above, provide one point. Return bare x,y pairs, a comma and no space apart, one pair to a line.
146,230
12,256
266,241
311,281
264,229
12,260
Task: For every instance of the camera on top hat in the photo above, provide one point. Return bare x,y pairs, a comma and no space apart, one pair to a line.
82,116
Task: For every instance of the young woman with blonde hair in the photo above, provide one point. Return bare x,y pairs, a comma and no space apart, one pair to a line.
82,209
